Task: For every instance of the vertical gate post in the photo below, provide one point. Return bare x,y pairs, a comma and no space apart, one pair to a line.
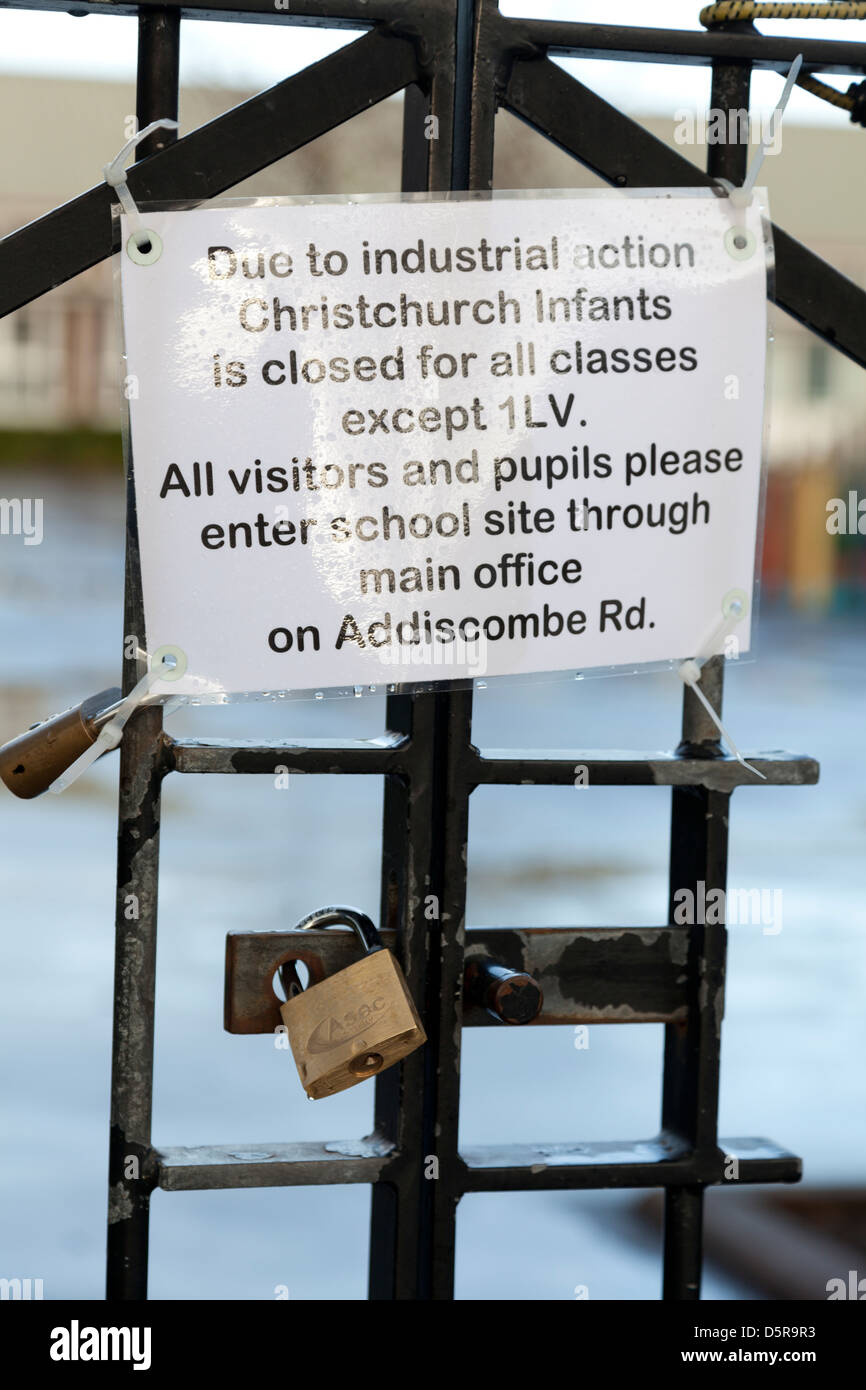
453,729
699,851
425,829
130,1165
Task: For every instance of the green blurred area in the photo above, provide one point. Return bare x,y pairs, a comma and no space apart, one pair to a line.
82,449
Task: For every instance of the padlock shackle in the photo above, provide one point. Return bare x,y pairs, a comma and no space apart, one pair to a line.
344,917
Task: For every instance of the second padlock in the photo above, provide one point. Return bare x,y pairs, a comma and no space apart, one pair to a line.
353,1024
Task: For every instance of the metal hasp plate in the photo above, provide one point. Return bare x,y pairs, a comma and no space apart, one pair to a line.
587,974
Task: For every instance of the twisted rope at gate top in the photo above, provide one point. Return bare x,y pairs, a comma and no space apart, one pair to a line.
115,177
726,10
854,100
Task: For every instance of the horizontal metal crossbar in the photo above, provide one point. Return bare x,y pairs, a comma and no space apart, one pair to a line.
613,42
270,1165
613,768
660,1162
587,974
494,767
368,756
317,14
619,43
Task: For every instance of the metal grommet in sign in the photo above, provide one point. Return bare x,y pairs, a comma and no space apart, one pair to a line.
735,604
172,659
740,243
143,238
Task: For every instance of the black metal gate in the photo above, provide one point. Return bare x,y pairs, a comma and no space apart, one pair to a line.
457,60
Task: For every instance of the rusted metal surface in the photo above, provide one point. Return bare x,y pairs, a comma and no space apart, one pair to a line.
699,854
619,769
586,974
131,1170
131,1167
367,757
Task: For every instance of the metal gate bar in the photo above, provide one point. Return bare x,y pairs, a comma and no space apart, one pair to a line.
458,60
131,1166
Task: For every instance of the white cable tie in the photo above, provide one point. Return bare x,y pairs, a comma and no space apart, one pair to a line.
720,726
111,733
689,673
741,197
115,174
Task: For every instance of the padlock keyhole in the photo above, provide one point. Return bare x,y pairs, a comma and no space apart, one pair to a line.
366,1063
303,972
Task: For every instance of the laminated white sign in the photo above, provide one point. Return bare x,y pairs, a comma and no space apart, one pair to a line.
403,440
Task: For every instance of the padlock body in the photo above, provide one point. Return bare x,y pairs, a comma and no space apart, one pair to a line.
338,1029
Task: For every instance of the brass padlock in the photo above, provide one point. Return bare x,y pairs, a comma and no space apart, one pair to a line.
355,1023
33,760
